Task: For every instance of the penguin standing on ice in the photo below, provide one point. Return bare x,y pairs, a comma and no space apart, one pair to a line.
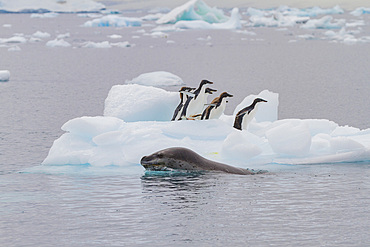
195,104
183,91
245,115
216,108
198,116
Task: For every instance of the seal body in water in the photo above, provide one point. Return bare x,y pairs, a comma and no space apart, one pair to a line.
178,158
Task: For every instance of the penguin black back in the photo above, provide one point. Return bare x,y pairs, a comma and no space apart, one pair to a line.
245,111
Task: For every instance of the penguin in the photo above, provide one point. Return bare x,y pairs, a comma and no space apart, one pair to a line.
195,104
245,115
198,116
216,108
183,91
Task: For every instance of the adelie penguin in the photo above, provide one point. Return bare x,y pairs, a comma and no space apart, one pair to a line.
183,91
195,104
245,115
217,107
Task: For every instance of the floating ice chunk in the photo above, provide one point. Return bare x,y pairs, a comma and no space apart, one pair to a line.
193,10
267,111
4,75
41,35
115,36
63,36
91,44
89,15
158,78
140,103
276,20
7,25
343,36
13,40
360,11
37,6
152,17
113,21
255,12
123,44
58,43
315,11
45,15
324,23
232,23
290,139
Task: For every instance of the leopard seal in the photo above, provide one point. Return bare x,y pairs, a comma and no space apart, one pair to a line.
179,158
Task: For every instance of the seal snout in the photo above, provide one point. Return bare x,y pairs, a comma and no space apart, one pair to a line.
144,160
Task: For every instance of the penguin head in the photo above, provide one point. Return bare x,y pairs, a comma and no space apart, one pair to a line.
259,100
204,82
186,89
225,94
210,90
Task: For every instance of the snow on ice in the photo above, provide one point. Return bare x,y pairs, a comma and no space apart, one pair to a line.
158,78
136,122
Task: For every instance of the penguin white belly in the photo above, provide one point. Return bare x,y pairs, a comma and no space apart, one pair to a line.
196,106
217,112
248,118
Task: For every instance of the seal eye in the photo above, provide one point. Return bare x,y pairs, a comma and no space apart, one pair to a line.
160,156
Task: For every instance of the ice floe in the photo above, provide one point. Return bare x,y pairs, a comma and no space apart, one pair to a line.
45,15
37,6
58,43
113,21
13,40
325,22
41,35
105,44
136,123
4,75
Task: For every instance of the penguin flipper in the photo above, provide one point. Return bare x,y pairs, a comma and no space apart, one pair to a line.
177,110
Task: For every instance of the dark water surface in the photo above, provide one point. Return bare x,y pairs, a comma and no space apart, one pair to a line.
321,205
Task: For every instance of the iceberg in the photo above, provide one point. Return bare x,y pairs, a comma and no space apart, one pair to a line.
193,10
232,23
37,6
113,21
136,123
4,75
